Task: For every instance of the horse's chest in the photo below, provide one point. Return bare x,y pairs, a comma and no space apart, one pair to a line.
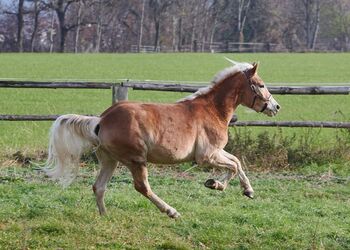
216,137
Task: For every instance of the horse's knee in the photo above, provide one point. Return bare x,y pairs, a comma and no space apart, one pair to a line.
98,191
234,169
142,188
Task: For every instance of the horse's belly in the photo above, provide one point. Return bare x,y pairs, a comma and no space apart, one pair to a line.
165,155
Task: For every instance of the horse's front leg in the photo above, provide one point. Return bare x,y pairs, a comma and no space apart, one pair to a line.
245,183
222,159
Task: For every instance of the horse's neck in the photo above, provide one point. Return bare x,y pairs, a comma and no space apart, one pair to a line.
225,97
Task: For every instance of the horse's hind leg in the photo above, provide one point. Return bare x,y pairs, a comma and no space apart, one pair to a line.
108,165
140,175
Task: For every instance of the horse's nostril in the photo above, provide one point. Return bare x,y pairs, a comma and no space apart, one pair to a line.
278,107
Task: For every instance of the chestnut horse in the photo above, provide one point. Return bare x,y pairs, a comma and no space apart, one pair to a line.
192,129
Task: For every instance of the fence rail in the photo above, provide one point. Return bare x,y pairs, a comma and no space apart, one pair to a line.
233,123
281,90
56,85
175,87
120,92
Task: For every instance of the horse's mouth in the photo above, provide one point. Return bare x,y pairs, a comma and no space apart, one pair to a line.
270,112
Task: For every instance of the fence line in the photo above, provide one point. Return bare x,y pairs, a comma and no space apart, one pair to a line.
233,123
120,92
56,85
281,90
176,87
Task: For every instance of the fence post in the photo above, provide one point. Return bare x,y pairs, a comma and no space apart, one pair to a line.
119,93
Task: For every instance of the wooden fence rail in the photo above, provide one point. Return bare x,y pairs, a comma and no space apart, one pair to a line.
120,92
281,90
234,122
176,87
56,85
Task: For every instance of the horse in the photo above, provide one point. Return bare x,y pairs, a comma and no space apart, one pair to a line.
192,129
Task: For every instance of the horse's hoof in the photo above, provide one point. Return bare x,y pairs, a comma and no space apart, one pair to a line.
172,213
249,194
213,184
210,184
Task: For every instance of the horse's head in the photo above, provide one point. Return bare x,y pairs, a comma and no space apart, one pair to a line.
255,94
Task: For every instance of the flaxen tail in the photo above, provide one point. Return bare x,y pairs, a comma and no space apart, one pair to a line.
70,137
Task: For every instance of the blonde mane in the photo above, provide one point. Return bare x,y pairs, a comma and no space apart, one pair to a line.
219,77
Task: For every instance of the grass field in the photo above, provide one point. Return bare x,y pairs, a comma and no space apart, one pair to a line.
306,208
289,212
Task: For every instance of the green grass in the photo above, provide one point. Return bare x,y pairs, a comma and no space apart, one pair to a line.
289,212
308,208
304,69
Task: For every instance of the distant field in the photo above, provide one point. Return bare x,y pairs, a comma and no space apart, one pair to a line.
277,67
289,69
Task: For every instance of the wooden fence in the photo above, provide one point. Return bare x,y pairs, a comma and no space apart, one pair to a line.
120,92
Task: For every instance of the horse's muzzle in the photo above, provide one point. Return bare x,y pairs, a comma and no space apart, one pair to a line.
272,107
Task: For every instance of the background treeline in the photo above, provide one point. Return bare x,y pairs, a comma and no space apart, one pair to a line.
174,25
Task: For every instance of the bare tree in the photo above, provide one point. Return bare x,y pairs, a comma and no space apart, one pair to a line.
141,25
20,14
61,7
243,7
78,26
311,22
20,23
158,7
37,8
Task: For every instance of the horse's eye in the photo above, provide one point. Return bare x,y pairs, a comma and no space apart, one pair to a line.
261,86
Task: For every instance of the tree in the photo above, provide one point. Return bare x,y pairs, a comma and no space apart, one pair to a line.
141,26
243,7
20,22
61,7
36,8
158,7
311,22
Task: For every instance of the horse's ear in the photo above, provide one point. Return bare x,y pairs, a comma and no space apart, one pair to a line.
251,72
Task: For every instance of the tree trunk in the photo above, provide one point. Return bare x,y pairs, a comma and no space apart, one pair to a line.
77,32
193,32
174,34
156,37
36,24
52,31
98,28
212,34
242,16
317,25
179,35
61,9
63,30
141,26
20,26
99,36
307,23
